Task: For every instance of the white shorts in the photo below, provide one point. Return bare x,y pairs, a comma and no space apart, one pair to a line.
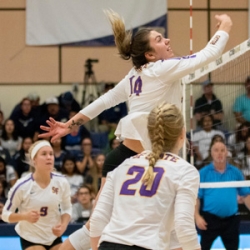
80,239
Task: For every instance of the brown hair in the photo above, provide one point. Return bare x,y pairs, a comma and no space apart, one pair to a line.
129,46
165,124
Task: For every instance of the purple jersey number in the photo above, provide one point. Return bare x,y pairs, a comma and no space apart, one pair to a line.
144,191
137,85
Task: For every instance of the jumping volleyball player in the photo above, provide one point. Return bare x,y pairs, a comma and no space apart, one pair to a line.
152,80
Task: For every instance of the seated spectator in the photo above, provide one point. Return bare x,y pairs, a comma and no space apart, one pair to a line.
25,119
4,153
72,141
1,122
10,139
243,158
241,107
202,139
236,141
52,109
81,210
113,143
3,186
2,203
19,161
94,176
208,104
68,102
34,99
8,175
72,174
109,118
85,159
59,153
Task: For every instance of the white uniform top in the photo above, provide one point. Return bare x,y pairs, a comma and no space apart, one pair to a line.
52,202
157,82
128,213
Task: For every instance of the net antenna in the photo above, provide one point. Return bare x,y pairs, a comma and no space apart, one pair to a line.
90,90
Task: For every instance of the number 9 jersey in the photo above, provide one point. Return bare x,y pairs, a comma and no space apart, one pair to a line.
130,213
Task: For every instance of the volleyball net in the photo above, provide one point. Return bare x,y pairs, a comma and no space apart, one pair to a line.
228,73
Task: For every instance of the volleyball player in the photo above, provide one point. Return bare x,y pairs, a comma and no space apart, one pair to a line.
153,79
43,202
150,191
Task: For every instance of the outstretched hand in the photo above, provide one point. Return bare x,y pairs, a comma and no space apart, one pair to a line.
224,22
55,130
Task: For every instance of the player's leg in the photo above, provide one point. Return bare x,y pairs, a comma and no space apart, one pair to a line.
79,240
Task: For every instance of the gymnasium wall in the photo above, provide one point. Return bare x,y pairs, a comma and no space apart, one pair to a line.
52,70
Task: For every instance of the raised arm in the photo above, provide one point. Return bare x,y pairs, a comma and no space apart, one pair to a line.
56,130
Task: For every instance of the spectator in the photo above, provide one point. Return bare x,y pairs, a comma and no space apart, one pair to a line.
68,102
85,159
202,139
72,174
7,175
59,153
243,158
4,153
94,175
72,141
34,99
1,122
208,104
25,119
2,202
241,107
10,139
19,161
236,141
81,210
218,215
3,186
113,143
50,108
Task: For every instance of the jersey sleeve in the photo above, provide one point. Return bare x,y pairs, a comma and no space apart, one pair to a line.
175,68
66,205
106,101
15,196
185,207
103,210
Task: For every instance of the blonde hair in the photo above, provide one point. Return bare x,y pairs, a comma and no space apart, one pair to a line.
129,45
165,125
29,158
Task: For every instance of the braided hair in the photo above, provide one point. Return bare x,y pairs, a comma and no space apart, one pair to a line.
165,125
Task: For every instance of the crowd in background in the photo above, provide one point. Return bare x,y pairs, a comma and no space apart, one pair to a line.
81,154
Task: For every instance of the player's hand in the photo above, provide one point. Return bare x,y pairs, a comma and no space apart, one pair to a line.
55,130
58,230
201,223
224,22
32,216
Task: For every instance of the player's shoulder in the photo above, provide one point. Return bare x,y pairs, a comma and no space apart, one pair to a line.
58,177
24,181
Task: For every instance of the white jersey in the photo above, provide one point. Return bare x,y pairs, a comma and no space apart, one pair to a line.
155,83
52,202
129,213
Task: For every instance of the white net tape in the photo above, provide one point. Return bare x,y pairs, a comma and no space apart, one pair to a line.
226,184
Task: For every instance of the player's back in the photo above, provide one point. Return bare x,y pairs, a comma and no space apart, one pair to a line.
140,212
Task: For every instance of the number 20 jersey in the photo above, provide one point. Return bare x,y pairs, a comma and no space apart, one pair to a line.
145,216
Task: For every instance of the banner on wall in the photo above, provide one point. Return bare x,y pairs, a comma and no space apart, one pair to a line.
82,22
